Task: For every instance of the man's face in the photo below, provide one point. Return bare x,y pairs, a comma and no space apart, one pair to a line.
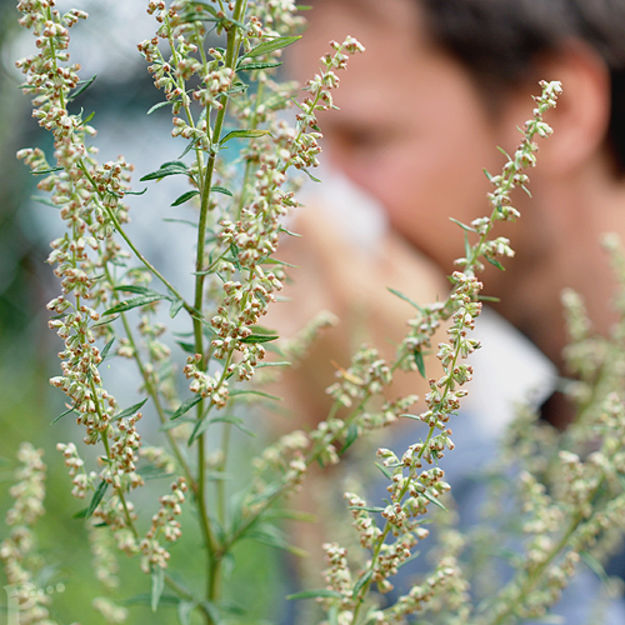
411,129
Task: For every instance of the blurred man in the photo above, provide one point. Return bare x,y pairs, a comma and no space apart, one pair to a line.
442,83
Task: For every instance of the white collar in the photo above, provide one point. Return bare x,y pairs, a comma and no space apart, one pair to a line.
508,370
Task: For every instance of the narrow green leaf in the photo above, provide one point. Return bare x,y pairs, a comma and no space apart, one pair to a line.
158,585
184,612
275,261
260,338
136,289
313,178
173,220
236,422
170,425
384,470
462,225
142,192
414,417
175,308
248,67
134,302
158,105
281,363
362,580
150,472
495,263
184,197
314,594
594,565
289,232
488,174
418,358
251,133
367,508
63,414
130,410
350,438
46,201
193,143
83,86
95,501
272,45
189,348
272,536
223,190
211,608
405,298
504,153
185,406
43,172
488,298
433,500
88,118
166,169
207,7
237,393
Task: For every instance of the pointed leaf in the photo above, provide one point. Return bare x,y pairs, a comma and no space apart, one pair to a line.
433,500
189,348
63,414
184,197
248,67
83,86
242,134
260,338
186,405
158,105
362,580
171,168
95,501
272,45
134,302
43,172
352,435
142,192
495,262
418,358
175,307
405,298
184,612
130,411
218,189
236,393
462,225
384,470
158,584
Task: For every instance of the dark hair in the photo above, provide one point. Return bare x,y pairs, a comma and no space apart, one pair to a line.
498,42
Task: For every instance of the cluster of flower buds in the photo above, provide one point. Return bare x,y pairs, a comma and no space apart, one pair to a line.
367,375
16,549
214,387
163,522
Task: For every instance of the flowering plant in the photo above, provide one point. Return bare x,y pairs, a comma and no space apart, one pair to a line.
111,307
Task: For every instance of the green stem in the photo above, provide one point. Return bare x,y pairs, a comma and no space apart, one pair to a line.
230,61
